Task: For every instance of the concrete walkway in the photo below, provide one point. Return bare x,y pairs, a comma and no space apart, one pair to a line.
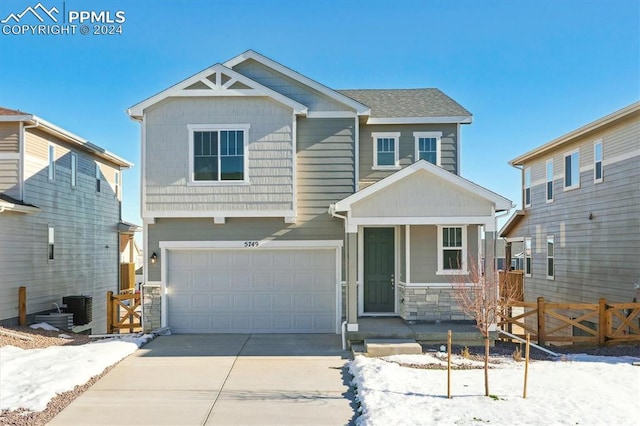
259,379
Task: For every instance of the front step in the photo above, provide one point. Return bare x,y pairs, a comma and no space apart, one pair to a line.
386,347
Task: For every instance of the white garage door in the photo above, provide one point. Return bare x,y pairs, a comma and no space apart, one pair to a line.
252,291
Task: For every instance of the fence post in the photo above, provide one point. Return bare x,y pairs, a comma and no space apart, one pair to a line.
22,306
109,311
541,324
603,324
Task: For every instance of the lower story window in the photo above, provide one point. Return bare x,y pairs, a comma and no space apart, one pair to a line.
51,243
527,256
451,249
550,257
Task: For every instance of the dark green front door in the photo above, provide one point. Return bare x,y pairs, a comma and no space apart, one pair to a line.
379,284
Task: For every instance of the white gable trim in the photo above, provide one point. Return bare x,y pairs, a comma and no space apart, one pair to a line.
250,54
217,89
500,202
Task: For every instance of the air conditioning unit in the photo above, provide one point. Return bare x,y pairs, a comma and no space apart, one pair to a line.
81,307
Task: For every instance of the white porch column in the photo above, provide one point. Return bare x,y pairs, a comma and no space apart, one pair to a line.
352,280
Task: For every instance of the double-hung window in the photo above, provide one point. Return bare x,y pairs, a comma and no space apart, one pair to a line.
572,170
549,180
597,162
428,146
385,150
52,163
527,256
51,243
116,182
218,154
452,249
527,187
74,169
98,177
550,250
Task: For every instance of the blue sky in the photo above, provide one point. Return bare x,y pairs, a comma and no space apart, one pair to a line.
529,71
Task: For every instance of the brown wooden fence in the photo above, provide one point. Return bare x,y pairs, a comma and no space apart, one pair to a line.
123,312
599,323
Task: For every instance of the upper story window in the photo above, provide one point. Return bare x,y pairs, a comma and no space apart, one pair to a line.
452,249
572,170
218,154
597,162
527,256
385,150
549,166
116,182
74,169
428,146
51,244
98,177
52,163
527,187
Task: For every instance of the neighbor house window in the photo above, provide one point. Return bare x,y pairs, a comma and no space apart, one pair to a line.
385,150
218,155
428,146
550,249
98,173
527,187
116,181
597,162
452,249
51,243
527,256
52,163
74,170
549,181
572,170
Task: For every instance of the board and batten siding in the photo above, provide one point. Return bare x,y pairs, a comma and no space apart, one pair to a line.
596,227
325,175
288,87
406,153
270,152
86,238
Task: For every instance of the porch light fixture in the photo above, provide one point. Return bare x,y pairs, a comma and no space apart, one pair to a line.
154,258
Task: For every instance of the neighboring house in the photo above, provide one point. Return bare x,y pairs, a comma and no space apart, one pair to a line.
500,256
130,252
263,191
580,225
59,217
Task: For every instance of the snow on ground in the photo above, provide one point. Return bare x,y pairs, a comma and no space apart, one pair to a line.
29,379
577,390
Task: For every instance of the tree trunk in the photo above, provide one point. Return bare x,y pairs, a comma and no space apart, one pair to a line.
486,366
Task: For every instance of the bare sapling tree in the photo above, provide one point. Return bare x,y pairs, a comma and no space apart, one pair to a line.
478,293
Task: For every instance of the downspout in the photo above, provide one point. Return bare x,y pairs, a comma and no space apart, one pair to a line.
332,212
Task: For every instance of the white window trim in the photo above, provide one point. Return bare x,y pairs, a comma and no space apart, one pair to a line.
551,277
441,270
525,256
51,170
526,185
218,127
74,170
396,144
595,144
51,240
546,186
564,164
437,136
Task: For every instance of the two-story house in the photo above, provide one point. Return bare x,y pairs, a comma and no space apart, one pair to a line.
580,225
264,193
60,219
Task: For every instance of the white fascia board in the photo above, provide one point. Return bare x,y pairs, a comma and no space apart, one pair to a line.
257,89
269,244
500,202
218,213
18,208
462,119
13,118
250,54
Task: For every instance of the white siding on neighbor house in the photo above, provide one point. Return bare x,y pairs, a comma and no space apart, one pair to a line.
9,137
288,87
596,227
422,195
86,238
10,177
270,163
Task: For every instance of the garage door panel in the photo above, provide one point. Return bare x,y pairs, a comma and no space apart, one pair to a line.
252,291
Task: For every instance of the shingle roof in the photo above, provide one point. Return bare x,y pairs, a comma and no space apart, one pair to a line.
392,103
7,111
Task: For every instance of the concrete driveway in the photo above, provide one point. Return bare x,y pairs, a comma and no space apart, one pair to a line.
222,379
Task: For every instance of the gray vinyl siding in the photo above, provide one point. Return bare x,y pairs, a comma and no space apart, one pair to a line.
325,175
288,87
406,153
86,238
424,253
9,137
270,146
595,257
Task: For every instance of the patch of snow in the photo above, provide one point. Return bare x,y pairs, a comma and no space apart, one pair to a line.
44,326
